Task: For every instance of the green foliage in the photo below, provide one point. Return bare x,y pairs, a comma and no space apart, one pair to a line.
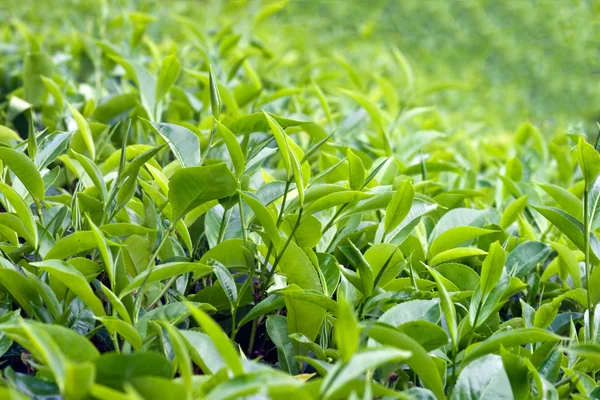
200,208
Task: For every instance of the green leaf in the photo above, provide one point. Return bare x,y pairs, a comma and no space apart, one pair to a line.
7,133
429,335
343,374
105,253
227,282
456,254
483,305
298,269
419,361
547,312
484,378
588,160
347,334
93,172
447,306
308,231
456,236
386,260
312,346
399,206
572,228
308,296
265,381
256,122
75,243
221,341
43,346
525,257
172,312
356,171
374,113
566,200
115,370
74,280
182,357
569,258
215,97
518,373
278,332
50,148
323,101
79,379
290,161
124,229
76,348
593,205
116,303
84,130
125,330
203,351
183,142
146,84
165,271
115,106
271,303
492,267
15,225
335,199
35,64
265,218
457,217
25,170
427,310
460,275
267,10
194,186
53,88
22,210
128,177
19,287
154,388
512,211
167,76
234,148
430,167
363,268
509,339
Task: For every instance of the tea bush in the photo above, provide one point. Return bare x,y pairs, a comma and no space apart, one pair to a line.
193,213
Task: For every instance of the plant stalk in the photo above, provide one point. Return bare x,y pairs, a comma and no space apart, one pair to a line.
588,267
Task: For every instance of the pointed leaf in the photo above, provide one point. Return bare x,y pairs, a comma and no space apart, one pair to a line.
183,142
25,170
74,280
399,206
194,186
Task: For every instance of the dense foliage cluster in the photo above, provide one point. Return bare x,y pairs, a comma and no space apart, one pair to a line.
192,213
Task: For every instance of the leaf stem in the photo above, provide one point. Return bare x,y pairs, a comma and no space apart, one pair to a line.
283,201
252,337
115,341
163,291
588,272
475,321
138,298
264,267
234,328
284,248
242,221
224,221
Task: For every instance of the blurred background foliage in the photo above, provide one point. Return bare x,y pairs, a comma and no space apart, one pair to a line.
492,63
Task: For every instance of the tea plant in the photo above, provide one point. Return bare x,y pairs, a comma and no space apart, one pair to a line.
200,216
